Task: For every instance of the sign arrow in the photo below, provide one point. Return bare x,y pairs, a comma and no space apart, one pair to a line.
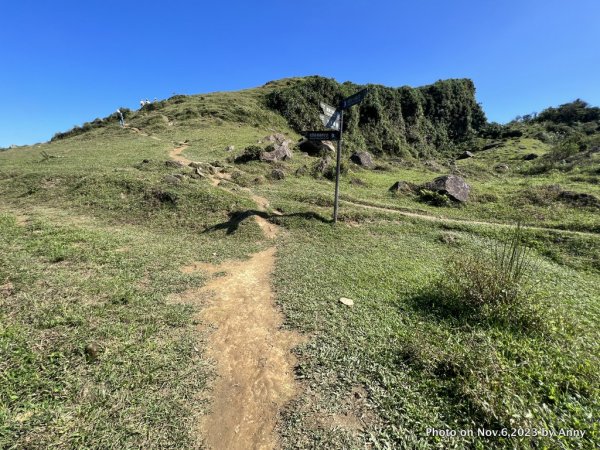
353,99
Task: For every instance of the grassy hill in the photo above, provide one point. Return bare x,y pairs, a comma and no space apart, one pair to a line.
97,224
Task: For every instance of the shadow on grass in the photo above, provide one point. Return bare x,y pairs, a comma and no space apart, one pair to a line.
434,304
237,217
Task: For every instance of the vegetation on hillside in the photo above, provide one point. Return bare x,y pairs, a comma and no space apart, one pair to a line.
401,121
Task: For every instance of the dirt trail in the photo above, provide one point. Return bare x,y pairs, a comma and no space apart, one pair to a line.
270,230
464,221
252,354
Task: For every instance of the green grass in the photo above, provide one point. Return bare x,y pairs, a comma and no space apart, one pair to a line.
423,368
92,241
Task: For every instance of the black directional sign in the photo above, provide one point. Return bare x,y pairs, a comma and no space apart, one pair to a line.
353,99
322,135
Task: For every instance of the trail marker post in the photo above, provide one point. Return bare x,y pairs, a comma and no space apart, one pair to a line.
333,118
344,104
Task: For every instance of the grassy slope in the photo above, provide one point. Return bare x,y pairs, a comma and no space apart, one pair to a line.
99,255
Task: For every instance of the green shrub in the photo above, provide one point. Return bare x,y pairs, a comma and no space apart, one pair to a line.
434,198
491,284
251,153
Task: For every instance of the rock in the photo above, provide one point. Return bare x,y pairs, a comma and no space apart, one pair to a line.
522,147
433,165
530,156
492,145
171,179
346,301
145,161
173,163
198,174
276,138
362,159
91,352
316,148
303,170
453,186
281,152
357,182
195,165
403,187
465,155
501,168
277,174
230,148
323,165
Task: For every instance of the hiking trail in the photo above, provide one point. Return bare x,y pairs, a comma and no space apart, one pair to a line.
252,354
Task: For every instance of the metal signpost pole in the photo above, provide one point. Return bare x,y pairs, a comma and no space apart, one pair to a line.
337,170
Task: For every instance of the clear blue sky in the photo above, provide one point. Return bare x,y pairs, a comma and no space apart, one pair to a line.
65,62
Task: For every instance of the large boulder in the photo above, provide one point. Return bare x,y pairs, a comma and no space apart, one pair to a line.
280,152
364,159
453,186
316,148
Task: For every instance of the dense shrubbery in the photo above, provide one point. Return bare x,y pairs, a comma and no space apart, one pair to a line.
395,121
570,113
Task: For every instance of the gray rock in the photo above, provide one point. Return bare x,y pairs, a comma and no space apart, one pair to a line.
465,155
198,174
230,148
453,186
303,170
316,148
404,187
171,179
277,174
281,152
501,168
276,138
173,163
364,159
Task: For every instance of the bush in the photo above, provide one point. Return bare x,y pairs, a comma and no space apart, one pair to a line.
491,284
434,198
251,153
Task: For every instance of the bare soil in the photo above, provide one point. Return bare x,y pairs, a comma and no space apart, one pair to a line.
252,354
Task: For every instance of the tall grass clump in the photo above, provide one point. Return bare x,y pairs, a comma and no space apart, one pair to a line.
493,283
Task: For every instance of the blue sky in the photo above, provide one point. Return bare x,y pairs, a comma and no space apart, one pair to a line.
66,62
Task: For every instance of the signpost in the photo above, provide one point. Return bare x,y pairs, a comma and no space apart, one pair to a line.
333,118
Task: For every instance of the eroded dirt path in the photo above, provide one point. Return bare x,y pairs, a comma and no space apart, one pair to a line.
252,354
